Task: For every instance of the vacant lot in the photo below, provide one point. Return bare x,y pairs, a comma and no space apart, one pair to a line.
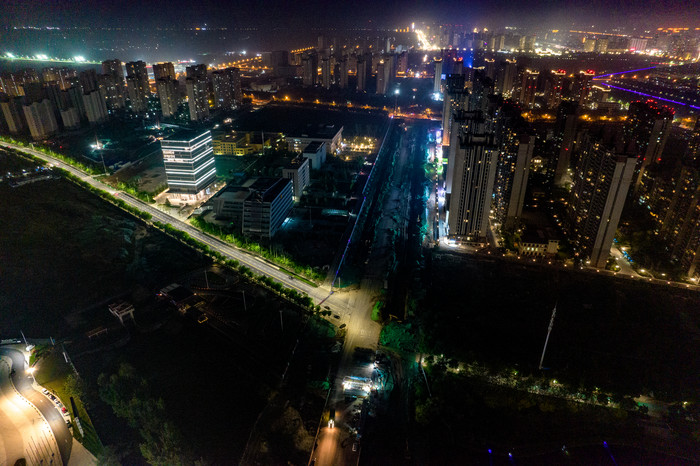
63,250
619,335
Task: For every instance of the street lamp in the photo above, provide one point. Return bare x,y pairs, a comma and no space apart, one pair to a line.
30,371
396,99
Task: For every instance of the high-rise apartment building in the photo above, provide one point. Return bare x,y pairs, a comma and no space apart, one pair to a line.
137,85
512,173
565,136
114,69
646,130
326,72
455,99
383,77
506,79
362,73
226,85
13,113
40,119
189,162
197,92
471,173
601,181
164,70
437,81
554,88
343,72
88,80
169,96
582,87
113,92
309,63
528,88
95,106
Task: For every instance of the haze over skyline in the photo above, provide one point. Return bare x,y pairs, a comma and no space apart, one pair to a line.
312,14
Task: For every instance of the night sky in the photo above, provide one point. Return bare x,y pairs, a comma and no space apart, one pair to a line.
354,13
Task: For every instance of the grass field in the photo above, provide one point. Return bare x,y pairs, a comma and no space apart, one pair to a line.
623,336
64,250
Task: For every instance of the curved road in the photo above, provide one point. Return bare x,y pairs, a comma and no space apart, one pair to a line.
23,384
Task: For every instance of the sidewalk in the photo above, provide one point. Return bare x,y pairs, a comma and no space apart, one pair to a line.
80,456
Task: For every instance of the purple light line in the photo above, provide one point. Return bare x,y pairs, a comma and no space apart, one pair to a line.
624,72
652,96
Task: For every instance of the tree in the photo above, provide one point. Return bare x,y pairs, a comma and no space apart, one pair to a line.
75,387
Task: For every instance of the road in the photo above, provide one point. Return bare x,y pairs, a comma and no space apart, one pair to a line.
31,426
335,446
338,303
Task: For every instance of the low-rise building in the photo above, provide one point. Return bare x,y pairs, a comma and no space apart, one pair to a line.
332,135
538,242
298,172
241,143
258,207
315,152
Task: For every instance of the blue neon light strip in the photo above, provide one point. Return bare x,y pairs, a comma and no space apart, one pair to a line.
652,96
624,72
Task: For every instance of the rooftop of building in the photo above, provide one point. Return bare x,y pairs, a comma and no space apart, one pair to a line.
313,147
296,163
292,121
267,189
183,134
534,234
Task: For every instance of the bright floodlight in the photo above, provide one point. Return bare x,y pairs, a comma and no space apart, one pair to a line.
79,58
396,92
10,55
30,370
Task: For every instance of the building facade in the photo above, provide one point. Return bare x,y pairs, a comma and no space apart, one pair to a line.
189,162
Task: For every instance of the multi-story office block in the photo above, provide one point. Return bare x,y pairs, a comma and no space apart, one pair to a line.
601,181
189,162
298,172
258,207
